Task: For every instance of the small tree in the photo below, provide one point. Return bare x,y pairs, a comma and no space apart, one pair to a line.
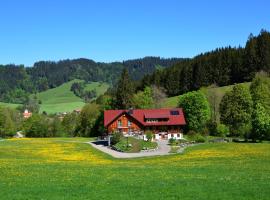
196,109
260,123
116,137
222,130
36,126
143,99
149,135
236,109
87,120
70,122
159,96
9,122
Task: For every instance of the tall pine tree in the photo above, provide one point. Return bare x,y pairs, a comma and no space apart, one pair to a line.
124,91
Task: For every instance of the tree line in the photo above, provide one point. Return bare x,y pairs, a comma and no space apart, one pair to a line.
18,82
223,66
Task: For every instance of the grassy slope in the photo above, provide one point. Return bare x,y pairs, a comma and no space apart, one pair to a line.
10,105
61,99
172,102
101,88
52,169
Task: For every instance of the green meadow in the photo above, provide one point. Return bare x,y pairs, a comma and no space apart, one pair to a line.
9,105
61,99
59,169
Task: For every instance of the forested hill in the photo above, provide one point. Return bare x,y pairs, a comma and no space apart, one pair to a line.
17,82
223,66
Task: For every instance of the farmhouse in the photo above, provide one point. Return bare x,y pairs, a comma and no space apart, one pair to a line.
26,114
164,123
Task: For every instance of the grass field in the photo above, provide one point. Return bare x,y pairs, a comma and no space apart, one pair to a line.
70,169
172,102
10,105
61,99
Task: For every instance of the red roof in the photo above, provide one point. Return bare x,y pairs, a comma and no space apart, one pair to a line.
141,114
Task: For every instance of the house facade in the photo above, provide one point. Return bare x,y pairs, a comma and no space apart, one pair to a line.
164,123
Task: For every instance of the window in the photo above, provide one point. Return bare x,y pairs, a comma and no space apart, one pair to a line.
119,123
178,135
129,123
174,112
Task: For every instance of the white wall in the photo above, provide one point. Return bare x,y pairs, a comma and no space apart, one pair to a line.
174,135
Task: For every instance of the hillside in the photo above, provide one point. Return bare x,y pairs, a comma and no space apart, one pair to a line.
17,81
9,105
61,99
172,102
222,66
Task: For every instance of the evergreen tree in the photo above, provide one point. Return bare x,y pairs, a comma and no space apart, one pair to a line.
124,91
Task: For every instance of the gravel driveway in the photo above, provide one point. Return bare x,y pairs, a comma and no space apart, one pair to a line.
163,149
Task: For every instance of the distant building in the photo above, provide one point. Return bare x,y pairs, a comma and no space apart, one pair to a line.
26,114
77,111
164,123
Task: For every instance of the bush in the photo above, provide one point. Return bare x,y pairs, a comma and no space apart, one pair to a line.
212,127
191,133
223,130
36,126
205,131
197,137
172,141
149,135
200,139
116,137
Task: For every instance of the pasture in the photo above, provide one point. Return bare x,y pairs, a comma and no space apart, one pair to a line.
63,168
62,99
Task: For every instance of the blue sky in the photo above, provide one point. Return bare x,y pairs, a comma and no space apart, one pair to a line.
116,30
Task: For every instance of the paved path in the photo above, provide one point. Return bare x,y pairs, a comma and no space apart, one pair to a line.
163,149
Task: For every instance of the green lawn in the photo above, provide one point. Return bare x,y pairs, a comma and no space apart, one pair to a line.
61,99
63,169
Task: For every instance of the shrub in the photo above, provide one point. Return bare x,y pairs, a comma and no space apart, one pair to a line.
172,141
149,135
191,133
205,131
223,130
116,137
199,138
212,127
